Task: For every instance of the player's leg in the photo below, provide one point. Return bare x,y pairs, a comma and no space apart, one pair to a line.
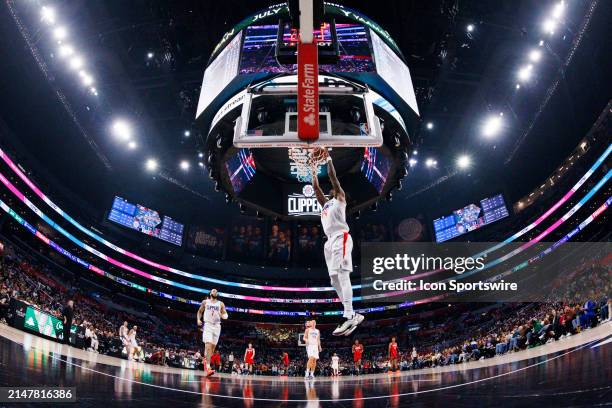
308,366
342,266
333,275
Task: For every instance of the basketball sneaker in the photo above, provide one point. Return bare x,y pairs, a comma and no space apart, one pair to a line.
348,324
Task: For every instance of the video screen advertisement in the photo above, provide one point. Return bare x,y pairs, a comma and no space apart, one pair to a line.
470,218
147,221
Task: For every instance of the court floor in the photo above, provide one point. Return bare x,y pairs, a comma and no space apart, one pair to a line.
576,371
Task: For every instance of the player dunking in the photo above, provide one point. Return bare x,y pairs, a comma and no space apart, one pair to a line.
339,244
213,310
312,337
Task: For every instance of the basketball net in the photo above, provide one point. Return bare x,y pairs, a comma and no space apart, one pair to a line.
305,160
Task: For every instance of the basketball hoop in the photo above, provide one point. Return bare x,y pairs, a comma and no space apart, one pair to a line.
305,159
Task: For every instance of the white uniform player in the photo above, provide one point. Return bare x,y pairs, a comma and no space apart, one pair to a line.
312,338
339,245
335,364
211,311
312,343
212,321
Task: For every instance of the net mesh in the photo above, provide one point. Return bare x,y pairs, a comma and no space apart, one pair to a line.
304,160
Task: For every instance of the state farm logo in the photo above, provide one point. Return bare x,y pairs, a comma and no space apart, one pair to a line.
308,86
309,119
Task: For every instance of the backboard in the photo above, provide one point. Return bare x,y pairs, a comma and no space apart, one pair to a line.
269,118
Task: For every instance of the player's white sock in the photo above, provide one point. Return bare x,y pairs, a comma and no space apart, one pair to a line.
347,294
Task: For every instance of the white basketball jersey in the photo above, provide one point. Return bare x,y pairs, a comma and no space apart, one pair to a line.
212,311
313,337
333,218
335,361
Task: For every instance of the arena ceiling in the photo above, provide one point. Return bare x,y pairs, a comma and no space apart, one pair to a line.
148,59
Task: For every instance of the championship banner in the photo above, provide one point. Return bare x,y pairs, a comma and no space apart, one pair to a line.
308,92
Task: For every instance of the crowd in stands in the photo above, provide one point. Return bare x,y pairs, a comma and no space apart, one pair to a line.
577,302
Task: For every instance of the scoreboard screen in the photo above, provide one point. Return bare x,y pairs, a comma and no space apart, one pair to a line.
470,218
241,169
375,167
147,221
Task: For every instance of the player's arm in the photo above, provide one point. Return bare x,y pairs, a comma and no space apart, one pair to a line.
331,172
306,336
317,188
224,314
200,313
320,348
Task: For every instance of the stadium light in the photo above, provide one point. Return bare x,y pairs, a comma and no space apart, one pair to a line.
541,43
86,78
430,162
151,164
525,73
535,55
200,164
184,165
430,125
93,90
558,10
47,14
60,33
470,28
492,125
518,86
76,62
150,55
549,26
412,162
415,152
132,145
122,130
187,133
65,50
464,161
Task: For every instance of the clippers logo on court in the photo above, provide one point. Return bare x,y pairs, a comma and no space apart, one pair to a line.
308,92
303,204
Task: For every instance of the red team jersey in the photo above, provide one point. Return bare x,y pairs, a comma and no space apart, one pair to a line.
248,359
286,360
393,350
357,352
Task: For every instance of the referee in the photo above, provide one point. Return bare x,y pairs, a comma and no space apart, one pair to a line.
67,316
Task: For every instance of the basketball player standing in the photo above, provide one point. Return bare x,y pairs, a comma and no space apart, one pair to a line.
213,311
249,358
312,337
339,245
393,366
